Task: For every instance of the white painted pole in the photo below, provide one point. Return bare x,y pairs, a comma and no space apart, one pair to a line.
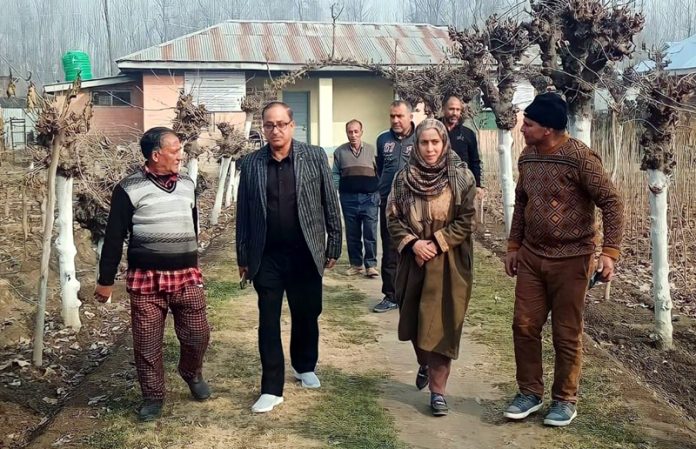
192,168
217,207
230,184
507,182
65,247
658,184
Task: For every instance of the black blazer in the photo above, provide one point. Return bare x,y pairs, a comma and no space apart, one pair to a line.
317,203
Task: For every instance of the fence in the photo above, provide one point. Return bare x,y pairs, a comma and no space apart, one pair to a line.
631,182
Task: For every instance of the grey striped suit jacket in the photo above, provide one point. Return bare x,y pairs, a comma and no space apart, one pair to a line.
317,203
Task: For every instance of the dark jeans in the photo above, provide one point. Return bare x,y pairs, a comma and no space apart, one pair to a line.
360,215
390,255
290,271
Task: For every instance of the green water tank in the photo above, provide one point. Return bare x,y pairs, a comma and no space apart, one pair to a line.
74,62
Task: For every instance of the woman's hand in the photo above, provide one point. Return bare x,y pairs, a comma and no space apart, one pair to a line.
425,249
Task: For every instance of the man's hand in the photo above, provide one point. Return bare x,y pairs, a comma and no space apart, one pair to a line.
425,249
511,263
330,263
102,293
243,272
605,265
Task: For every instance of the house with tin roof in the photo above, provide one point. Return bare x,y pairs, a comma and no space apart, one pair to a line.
220,64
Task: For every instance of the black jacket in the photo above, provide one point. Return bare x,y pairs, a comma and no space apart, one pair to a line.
393,153
463,142
317,203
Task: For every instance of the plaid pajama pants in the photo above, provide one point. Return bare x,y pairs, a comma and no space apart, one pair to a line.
148,315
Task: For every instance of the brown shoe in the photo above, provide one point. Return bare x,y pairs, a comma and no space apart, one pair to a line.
372,272
354,271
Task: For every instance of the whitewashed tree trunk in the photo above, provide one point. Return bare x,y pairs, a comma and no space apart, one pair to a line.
581,128
617,136
98,250
506,180
230,184
192,168
247,124
65,247
658,184
235,187
217,207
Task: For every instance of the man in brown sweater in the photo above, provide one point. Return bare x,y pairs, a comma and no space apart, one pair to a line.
551,251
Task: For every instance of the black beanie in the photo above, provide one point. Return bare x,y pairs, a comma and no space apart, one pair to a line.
548,110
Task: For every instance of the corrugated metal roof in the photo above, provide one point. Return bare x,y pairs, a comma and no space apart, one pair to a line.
681,56
255,43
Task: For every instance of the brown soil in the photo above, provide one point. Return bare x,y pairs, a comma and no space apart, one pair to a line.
29,396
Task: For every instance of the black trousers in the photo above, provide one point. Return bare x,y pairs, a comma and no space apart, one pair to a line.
293,272
390,255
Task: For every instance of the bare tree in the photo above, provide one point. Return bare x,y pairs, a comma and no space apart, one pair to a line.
58,128
358,10
665,96
501,42
109,45
428,11
578,40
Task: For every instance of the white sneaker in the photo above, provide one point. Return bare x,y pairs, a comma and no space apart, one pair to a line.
266,403
309,379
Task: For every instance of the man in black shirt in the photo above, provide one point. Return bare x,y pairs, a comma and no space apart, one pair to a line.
288,232
462,139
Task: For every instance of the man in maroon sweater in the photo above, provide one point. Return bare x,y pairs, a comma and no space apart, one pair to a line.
551,251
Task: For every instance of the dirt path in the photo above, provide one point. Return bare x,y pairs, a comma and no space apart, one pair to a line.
368,399
471,387
482,380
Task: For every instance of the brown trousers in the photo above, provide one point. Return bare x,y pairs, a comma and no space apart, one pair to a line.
438,368
148,315
559,286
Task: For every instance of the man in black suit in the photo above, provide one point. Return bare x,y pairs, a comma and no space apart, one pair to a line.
288,232
462,139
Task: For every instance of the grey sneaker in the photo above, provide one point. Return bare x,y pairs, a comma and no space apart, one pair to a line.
522,406
438,405
560,414
385,306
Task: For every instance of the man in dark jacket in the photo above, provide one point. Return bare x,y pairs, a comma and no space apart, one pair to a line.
394,148
462,139
288,232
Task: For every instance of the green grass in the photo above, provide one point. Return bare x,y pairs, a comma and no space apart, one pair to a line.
604,421
349,415
345,413
344,308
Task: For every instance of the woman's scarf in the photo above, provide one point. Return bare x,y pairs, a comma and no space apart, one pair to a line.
421,182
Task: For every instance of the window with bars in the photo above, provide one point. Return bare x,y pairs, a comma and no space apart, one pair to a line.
111,97
218,91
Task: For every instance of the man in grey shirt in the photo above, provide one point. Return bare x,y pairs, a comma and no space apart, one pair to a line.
355,177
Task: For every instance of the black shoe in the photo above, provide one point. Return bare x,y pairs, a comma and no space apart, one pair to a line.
150,409
438,405
199,388
422,379
385,306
